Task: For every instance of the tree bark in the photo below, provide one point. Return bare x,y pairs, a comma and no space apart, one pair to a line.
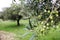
18,22
30,24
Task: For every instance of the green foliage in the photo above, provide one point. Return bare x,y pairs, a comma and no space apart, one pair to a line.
46,16
51,35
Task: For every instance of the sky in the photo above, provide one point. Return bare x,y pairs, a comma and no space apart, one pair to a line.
5,3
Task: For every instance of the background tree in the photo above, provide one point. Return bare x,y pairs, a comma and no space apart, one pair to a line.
12,13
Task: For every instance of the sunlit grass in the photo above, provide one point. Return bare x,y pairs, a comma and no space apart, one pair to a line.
20,31
11,26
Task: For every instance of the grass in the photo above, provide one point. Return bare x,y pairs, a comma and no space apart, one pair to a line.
20,31
24,34
52,35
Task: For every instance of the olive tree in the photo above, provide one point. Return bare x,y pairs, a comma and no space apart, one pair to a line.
12,13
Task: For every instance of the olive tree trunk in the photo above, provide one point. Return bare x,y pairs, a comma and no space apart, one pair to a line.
30,24
18,22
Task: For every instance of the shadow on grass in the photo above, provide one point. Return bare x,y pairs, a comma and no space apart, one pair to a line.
13,27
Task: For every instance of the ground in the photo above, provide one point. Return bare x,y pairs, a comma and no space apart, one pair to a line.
6,35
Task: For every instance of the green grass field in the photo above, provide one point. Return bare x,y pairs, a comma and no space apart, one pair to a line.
23,34
20,31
